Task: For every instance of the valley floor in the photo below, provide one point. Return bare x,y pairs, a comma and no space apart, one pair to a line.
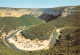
31,45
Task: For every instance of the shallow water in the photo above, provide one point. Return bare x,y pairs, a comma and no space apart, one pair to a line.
10,44
53,40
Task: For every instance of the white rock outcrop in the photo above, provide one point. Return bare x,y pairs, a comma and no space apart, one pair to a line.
68,11
17,12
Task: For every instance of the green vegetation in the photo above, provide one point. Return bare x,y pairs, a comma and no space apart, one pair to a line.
0,34
4,50
68,43
10,23
41,30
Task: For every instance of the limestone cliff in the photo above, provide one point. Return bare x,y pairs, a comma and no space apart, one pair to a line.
52,13
46,14
69,11
17,12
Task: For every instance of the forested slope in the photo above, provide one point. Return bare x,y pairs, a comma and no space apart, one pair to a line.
69,40
9,23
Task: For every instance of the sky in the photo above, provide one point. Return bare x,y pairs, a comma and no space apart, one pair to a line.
38,3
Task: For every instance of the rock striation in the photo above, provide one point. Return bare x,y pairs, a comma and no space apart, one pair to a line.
17,12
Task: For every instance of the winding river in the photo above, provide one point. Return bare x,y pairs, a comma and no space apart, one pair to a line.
10,44
52,42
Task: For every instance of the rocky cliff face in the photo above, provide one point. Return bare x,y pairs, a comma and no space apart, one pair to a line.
17,12
52,13
69,11
46,14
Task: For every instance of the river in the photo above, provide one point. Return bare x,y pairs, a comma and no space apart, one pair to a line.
10,44
52,42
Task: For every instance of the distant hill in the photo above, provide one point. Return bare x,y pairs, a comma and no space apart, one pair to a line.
52,13
60,17
17,12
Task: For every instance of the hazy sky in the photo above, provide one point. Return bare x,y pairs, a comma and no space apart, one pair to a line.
37,3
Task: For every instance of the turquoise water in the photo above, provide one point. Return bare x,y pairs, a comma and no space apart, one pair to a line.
53,40
55,34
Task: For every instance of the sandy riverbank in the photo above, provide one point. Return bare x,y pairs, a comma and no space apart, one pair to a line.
31,45
58,31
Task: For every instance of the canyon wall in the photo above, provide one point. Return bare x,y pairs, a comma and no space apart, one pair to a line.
17,12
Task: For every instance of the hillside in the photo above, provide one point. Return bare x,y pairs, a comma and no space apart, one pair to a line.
71,19
11,23
68,20
64,19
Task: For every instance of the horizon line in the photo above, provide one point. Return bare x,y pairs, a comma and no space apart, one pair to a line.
40,7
